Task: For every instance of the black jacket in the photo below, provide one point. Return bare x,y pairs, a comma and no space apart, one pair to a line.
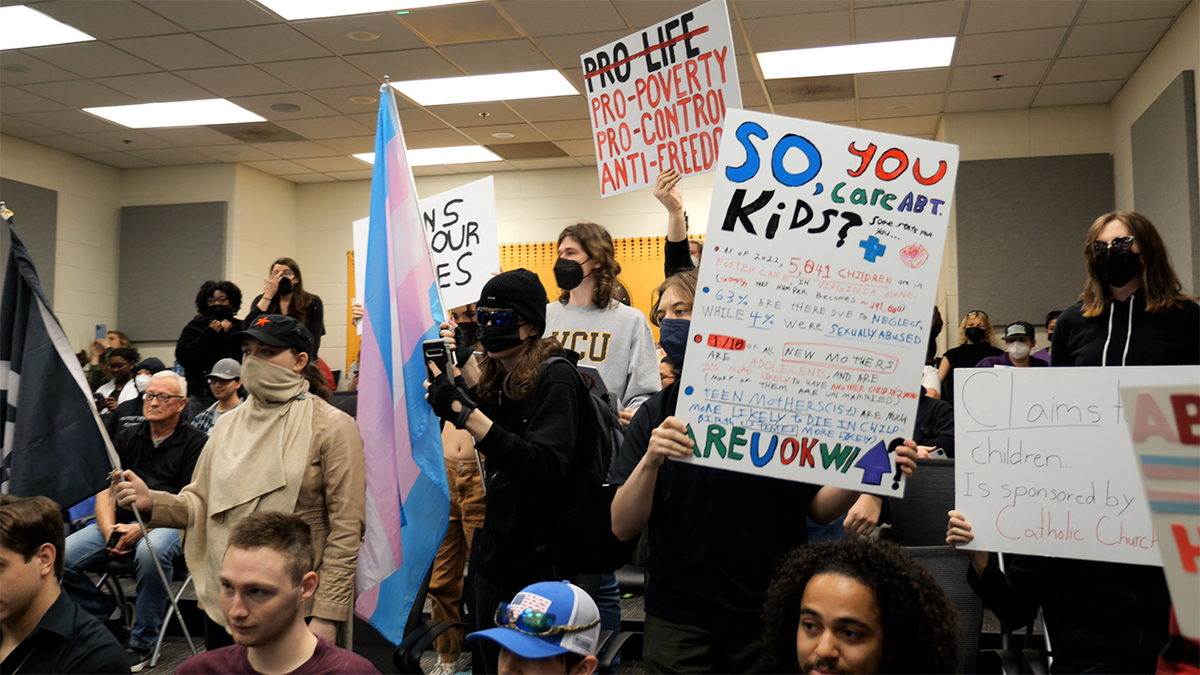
199,348
935,423
167,467
1134,337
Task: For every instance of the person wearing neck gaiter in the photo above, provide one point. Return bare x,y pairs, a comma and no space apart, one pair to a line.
284,449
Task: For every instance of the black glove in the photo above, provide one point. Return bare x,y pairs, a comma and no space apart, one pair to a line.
442,394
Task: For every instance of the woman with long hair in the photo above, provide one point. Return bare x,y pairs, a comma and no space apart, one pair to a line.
283,293
205,339
975,343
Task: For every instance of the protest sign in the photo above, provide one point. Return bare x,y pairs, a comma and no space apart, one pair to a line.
1165,427
814,300
658,98
361,228
1044,463
460,226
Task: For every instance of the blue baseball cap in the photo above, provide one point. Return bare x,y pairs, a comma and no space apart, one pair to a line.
558,604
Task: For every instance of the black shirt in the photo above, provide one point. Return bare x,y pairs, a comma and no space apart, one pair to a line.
1134,337
965,356
67,640
199,348
167,467
677,257
716,536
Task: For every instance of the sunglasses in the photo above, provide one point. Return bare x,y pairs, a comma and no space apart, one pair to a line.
532,622
977,312
1120,245
500,317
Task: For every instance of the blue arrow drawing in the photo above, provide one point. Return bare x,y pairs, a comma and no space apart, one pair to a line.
875,464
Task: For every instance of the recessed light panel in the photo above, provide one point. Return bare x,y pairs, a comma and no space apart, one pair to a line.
478,88
294,10
22,27
874,57
463,154
176,114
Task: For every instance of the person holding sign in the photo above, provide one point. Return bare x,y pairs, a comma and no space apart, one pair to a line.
1132,312
975,345
707,584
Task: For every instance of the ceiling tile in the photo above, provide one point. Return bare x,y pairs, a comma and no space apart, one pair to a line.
296,149
414,64
551,109
908,22
1130,10
338,98
413,119
109,20
745,68
459,23
487,58
277,167
473,114
1094,68
20,68
431,171
234,153
320,128
119,160
15,101
333,33
191,136
545,163
70,121
578,148
309,178
931,81
197,15
566,50
798,32
173,156
820,111
756,9
998,99
752,94
116,140
640,13
539,18
15,126
1025,45
177,51
351,146
93,59
1077,93
928,104
319,73
69,144
481,167
996,17
566,130
155,87
905,126
1115,38
257,44
439,138
522,133
1019,74
235,81
326,164
359,174
309,106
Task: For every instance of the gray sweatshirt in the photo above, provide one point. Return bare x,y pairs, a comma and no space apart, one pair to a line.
616,341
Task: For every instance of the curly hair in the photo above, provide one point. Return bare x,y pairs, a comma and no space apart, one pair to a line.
209,287
1160,285
518,383
598,244
128,353
919,623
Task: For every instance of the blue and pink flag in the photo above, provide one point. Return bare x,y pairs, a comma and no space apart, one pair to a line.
408,503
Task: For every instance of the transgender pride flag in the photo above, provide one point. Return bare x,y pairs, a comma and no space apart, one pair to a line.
408,503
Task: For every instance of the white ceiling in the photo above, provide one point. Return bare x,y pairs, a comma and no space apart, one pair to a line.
1009,54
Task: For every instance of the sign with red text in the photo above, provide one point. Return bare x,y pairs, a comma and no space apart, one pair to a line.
1044,464
1165,428
460,226
659,97
814,300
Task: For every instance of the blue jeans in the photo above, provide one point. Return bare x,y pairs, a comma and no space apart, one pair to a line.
85,551
608,601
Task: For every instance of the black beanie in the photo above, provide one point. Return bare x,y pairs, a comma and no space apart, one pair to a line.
518,290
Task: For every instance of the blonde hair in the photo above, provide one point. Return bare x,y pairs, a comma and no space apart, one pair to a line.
1160,286
987,327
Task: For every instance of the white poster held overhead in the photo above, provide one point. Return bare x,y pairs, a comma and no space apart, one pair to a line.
1165,427
460,226
361,229
1044,463
814,300
658,98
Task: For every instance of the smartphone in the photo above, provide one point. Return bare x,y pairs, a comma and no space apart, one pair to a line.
435,351
113,539
101,331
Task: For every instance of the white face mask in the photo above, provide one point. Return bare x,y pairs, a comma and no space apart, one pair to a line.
1019,351
695,261
141,382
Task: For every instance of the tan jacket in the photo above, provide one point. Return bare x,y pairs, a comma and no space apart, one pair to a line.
332,501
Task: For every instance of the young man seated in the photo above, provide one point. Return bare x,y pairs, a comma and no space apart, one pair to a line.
859,606
549,627
266,577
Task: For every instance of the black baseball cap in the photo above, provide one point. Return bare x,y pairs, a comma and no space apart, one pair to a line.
1018,329
278,330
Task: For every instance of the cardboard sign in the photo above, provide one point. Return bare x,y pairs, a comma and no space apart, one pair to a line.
1044,464
1165,427
361,228
659,98
460,226
814,300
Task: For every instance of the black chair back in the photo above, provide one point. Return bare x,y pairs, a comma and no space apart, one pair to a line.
949,567
920,518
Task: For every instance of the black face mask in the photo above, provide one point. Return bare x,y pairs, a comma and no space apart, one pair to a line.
568,273
285,285
976,334
496,339
219,312
1118,269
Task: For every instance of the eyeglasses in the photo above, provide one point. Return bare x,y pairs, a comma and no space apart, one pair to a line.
160,398
1120,245
532,622
501,317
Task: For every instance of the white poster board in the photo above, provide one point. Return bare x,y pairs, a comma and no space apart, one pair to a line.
361,229
460,227
814,300
1165,427
658,98
1044,464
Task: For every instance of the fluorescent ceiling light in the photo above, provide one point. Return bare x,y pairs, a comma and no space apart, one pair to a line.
476,88
24,27
874,57
293,10
176,114
463,154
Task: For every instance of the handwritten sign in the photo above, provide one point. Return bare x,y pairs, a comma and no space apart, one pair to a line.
814,298
1165,429
1044,464
460,226
659,98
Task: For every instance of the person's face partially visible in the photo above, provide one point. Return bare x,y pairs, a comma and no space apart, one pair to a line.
840,628
464,314
280,356
21,580
666,374
113,340
120,368
258,598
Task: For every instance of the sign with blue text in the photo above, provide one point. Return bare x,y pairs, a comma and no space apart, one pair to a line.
460,226
814,300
